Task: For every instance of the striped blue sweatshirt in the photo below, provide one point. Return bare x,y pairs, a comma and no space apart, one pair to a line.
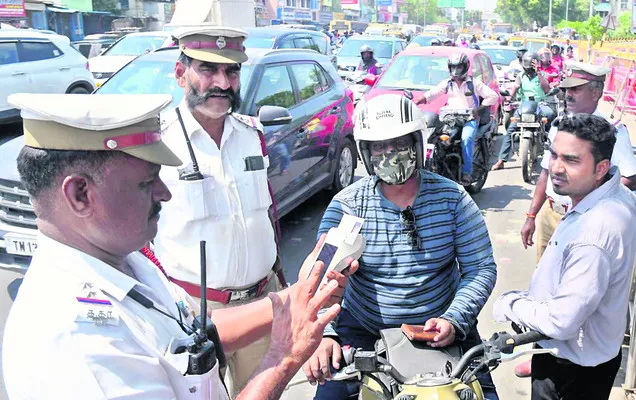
451,276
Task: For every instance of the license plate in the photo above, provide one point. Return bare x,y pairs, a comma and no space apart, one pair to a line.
528,124
20,245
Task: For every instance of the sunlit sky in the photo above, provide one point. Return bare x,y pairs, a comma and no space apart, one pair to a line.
487,5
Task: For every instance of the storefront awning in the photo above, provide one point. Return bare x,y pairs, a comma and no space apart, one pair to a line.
61,10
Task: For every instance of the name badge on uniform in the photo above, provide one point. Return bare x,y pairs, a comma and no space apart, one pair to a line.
95,310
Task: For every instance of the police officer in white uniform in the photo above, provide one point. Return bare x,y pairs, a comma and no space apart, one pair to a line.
78,329
230,206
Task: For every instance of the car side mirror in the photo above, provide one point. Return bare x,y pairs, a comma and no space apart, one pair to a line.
274,115
370,79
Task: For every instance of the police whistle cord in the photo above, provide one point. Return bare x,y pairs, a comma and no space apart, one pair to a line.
151,256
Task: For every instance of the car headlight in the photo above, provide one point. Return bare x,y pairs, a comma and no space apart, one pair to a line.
528,118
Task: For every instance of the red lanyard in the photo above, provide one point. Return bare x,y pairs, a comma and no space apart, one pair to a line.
151,256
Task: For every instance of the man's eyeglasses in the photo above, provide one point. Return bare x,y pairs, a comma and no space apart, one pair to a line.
408,221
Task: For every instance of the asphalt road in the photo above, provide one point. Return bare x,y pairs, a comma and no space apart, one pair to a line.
503,201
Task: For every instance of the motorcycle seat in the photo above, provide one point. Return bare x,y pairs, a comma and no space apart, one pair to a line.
412,358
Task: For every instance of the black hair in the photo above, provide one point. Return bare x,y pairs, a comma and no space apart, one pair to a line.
39,168
594,129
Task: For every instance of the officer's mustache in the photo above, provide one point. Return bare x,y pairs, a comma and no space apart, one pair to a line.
196,98
156,208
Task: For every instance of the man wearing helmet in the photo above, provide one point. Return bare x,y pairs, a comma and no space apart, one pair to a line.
529,83
463,92
547,69
557,58
368,62
516,64
428,258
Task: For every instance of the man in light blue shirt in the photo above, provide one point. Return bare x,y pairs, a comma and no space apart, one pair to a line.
578,295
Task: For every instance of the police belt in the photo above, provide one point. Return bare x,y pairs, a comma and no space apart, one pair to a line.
227,295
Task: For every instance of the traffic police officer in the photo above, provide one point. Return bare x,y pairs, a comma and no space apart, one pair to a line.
94,318
229,206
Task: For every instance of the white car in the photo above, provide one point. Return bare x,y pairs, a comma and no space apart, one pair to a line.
36,62
125,50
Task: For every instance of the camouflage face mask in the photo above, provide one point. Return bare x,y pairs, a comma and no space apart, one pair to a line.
394,167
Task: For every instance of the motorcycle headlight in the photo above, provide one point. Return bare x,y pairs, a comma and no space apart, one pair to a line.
528,118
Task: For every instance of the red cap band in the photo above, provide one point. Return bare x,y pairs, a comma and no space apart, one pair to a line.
218,45
132,140
588,77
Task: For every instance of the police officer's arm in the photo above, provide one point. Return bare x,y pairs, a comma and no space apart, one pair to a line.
243,325
296,332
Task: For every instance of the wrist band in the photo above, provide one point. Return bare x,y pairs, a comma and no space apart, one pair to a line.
531,216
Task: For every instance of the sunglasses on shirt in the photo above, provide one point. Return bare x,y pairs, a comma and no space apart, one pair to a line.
408,222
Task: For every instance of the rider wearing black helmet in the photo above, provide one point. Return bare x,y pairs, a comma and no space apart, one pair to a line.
436,42
529,83
463,92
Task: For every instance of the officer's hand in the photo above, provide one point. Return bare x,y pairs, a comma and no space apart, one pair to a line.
316,369
526,232
445,332
341,278
296,328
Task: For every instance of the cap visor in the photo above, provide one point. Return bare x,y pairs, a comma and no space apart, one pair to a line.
217,56
573,82
156,153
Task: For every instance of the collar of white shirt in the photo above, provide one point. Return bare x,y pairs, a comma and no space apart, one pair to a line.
600,192
193,127
104,276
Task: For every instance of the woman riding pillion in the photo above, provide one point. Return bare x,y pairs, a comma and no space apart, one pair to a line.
530,83
464,93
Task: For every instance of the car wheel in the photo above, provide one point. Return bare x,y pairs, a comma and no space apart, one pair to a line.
79,90
345,166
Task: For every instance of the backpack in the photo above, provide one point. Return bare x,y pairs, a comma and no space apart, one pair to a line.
471,89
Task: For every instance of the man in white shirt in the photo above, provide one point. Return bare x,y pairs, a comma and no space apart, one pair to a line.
579,291
230,205
584,89
109,322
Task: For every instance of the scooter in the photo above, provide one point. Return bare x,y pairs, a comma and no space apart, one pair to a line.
400,369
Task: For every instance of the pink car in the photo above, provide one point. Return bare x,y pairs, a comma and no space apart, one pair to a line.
419,69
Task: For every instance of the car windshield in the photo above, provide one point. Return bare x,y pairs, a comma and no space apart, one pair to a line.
381,48
154,77
415,72
501,56
423,40
259,42
135,45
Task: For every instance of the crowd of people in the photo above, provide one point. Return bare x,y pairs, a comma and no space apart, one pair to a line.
122,240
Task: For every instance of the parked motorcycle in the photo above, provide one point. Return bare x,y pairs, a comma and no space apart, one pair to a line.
400,368
444,155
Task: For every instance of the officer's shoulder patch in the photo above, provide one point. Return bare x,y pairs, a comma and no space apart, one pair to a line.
93,306
252,122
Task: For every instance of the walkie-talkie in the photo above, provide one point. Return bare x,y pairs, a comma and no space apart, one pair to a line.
193,174
203,351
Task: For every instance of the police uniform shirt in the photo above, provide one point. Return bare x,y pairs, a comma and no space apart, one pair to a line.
228,208
622,157
73,333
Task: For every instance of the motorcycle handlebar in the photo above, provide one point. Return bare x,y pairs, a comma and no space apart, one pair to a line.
528,337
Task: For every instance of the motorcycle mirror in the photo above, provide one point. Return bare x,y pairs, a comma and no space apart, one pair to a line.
370,79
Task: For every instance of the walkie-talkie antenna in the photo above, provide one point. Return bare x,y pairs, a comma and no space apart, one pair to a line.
195,164
204,301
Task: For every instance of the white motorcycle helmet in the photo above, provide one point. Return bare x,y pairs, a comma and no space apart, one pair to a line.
386,117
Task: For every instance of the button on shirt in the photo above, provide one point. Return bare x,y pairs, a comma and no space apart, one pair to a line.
457,97
52,350
578,295
622,157
228,208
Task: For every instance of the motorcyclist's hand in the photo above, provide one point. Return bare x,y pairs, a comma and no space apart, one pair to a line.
535,65
527,230
316,369
422,100
445,332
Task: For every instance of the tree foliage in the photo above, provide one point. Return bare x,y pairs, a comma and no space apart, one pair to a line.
590,27
423,12
524,13
624,28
